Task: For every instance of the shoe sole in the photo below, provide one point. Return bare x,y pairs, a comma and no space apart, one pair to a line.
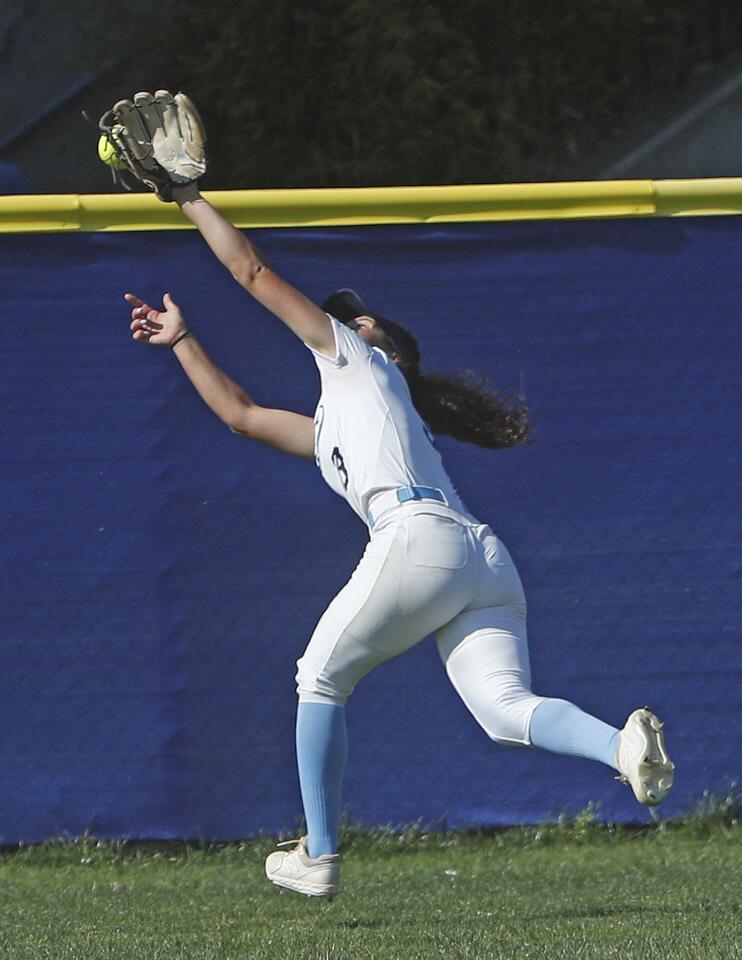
656,770
308,889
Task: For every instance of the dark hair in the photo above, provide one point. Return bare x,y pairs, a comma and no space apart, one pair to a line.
463,405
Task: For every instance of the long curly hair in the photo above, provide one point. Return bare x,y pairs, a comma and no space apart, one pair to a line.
462,405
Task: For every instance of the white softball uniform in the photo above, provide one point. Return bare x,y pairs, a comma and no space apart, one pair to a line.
429,566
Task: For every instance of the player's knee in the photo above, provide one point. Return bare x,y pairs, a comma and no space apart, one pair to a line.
314,687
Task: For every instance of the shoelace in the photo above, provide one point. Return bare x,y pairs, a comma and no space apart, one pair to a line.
299,842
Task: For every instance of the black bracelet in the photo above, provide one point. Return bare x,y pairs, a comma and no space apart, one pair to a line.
186,333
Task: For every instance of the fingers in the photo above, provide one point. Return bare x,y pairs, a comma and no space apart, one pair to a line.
169,303
145,323
141,309
140,305
141,315
150,334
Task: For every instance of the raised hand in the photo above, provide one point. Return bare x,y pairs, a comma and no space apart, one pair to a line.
157,327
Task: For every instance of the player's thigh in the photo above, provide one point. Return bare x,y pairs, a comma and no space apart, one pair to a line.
500,585
421,582
485,652
399,593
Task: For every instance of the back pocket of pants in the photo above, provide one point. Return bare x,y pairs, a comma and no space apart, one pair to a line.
434,541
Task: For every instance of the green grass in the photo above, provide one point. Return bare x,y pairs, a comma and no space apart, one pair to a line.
570,890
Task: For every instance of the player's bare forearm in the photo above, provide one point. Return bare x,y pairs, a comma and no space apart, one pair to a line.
291,432
227,399
166,328
228,244
246,264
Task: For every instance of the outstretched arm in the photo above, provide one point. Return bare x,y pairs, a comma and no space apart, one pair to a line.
249,269
282,429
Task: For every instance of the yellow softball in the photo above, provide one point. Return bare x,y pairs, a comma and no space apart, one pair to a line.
107,153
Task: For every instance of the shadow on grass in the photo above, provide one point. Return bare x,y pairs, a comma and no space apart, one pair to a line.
355,923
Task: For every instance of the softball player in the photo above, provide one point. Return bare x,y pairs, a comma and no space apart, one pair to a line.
429,566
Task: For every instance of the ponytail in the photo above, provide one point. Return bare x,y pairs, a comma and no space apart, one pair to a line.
462,405
465,407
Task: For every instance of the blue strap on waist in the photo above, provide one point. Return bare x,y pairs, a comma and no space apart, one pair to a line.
405,494
419,493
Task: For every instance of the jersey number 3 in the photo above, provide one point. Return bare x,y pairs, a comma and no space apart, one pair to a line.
339,464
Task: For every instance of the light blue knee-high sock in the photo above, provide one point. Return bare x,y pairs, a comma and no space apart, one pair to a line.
561,727
321,752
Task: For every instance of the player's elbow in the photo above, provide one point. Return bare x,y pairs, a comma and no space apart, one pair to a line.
242,421
246,271
243,275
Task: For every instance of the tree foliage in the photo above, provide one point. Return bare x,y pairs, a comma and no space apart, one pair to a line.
354,93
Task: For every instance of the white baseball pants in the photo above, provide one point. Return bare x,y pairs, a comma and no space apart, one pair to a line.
427,570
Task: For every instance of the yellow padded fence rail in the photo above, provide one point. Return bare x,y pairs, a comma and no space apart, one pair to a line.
379,205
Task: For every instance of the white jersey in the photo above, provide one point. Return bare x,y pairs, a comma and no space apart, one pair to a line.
368,436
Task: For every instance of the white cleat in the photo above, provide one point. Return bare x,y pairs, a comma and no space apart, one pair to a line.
296,870
642,758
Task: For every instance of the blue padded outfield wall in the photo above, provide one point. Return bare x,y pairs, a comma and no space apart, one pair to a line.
160,576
